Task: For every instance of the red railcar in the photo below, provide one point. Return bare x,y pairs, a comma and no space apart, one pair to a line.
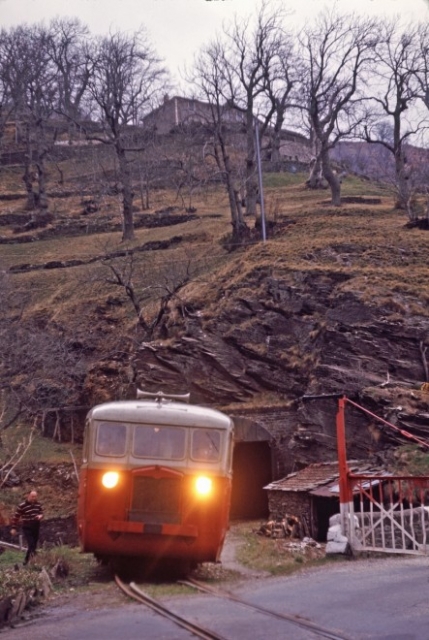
155,480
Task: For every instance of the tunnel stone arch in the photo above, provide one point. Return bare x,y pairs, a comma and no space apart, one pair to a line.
252,470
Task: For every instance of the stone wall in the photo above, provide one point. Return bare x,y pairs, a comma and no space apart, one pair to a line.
279,423
293,502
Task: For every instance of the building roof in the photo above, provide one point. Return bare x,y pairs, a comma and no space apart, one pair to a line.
203,107
308,478
314,476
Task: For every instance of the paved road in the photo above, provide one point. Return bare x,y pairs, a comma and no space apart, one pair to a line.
377,599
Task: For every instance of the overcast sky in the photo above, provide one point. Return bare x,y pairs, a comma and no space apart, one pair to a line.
179,27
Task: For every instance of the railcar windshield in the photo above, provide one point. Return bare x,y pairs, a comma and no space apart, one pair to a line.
206,445
159,442
111,439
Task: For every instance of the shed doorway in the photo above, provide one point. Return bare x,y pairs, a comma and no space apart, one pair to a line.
251,472
323,509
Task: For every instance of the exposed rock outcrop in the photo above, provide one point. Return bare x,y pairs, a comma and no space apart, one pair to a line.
266,341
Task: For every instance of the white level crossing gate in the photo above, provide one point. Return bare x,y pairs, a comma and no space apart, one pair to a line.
383,513
388,514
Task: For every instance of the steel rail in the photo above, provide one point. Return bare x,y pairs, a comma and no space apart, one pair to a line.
294,619
132,591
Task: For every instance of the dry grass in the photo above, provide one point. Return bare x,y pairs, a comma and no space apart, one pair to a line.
274,556
369,242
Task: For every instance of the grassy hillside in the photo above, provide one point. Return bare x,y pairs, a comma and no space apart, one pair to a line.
65,278
366,237
64,284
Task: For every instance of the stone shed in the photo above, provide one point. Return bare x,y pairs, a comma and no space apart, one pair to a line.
312,495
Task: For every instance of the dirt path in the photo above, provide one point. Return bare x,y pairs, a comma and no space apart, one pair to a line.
229,558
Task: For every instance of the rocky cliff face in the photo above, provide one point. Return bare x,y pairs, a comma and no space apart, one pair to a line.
263,340
334,303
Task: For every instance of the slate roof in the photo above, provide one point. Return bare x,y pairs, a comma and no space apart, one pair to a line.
313,476
309,478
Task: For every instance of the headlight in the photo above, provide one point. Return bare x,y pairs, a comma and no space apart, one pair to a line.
110,479
203,485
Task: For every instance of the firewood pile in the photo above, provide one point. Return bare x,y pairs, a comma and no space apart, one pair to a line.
289,526
291,536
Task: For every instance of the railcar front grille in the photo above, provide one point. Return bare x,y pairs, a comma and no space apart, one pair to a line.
156,500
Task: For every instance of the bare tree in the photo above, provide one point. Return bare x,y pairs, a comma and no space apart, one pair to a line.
188,177
68,51
211,86
337,51
126,78
249,57
149,301
6,102
150,167
283,90
394,94
10,458
40,369
420,68
28,73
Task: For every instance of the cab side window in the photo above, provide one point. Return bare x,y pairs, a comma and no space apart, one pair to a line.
111,439
206,445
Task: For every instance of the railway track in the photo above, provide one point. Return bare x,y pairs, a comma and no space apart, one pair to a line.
134,592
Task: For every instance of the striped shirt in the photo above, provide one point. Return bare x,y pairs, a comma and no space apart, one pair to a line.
27,513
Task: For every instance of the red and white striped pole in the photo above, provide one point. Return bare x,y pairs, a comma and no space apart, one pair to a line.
346,492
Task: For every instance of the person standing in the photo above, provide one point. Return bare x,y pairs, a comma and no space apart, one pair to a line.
29,514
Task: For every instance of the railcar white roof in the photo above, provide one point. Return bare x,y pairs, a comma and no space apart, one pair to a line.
165,412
